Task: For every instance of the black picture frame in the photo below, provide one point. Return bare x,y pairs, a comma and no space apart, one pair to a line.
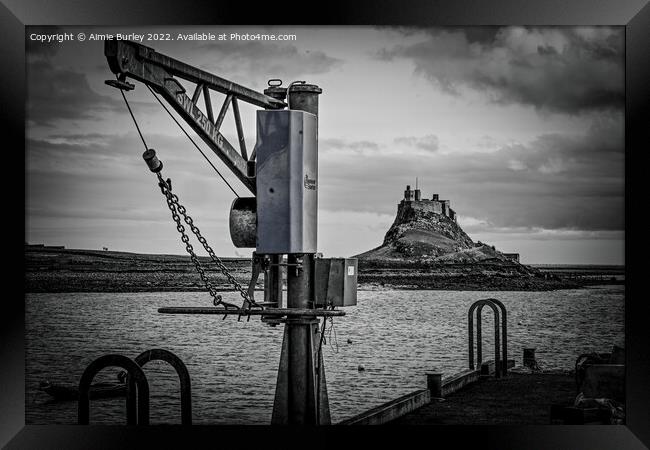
634,15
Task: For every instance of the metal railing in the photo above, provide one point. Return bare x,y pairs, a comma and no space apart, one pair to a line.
500,335
137,392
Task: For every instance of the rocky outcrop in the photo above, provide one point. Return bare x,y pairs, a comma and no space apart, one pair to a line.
434,242
418,233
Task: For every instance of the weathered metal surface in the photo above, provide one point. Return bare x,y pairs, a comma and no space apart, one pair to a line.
243,222
301,390
529,358
128,56
287,174
273,281
154,164
120,84
304,97
277,312
223,111
240,130
202,125
135,373
470,319
159,354
277,92
197,91
208,103
144,64
504,333
335,281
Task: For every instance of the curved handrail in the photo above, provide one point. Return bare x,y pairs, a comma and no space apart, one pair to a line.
470,320
183,375
504,332
136,374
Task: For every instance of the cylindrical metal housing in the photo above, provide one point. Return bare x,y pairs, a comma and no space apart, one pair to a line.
278,92
304,97
149,156
243,222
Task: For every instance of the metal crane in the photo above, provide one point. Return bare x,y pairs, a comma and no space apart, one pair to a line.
279,220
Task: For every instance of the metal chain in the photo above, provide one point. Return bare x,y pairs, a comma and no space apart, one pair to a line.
175,207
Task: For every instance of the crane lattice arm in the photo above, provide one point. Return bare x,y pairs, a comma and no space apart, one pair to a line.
158,71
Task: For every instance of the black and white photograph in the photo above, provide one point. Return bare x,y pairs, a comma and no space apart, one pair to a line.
327,225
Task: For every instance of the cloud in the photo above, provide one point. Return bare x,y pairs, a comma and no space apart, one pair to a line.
428,142
553,182
96,188
247,59
35,49
56,93
333,144
554,69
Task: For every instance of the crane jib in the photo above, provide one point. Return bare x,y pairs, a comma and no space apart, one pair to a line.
200,118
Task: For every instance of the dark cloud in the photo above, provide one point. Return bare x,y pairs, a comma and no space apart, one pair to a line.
35,49
97,178
338,144
428,142
556,182
56,93
248,59
567,70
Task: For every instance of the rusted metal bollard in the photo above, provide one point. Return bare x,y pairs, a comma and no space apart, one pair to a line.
529,359
434,384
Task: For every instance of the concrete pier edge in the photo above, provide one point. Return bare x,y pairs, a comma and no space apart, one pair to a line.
437,387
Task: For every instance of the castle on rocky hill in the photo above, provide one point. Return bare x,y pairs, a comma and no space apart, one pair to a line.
413,199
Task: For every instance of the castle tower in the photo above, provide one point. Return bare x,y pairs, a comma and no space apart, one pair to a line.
409,194
445,207
418,195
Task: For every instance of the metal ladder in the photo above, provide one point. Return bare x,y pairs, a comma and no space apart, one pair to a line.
137,393
500,338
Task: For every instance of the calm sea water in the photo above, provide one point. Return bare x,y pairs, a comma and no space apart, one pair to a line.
397,336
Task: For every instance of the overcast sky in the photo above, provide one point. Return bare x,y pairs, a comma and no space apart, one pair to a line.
520,128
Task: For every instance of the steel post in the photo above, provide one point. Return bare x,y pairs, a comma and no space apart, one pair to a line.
301,391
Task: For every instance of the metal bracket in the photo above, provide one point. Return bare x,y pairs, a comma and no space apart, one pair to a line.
297,265
257,266
121,84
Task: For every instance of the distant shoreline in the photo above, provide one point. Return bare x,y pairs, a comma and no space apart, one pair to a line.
51,269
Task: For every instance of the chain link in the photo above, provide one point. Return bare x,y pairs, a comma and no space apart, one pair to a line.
175,207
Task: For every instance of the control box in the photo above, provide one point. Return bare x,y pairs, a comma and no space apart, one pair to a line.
335,281
287,181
